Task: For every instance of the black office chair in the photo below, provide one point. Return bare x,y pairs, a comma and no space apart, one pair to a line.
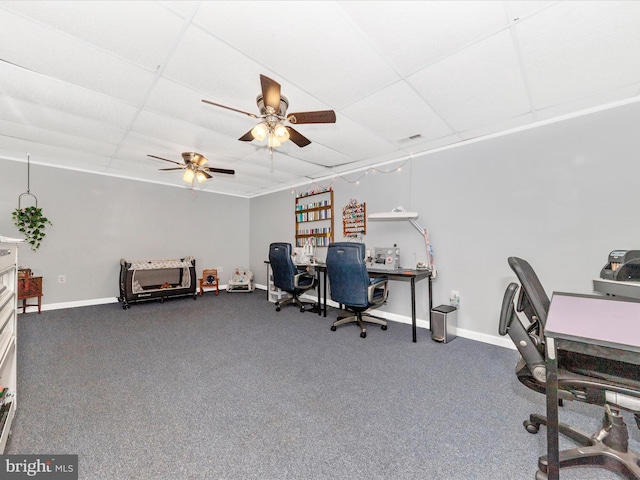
351,286
288,277
613,384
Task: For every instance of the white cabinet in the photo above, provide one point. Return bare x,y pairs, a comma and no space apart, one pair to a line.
273,292
8,316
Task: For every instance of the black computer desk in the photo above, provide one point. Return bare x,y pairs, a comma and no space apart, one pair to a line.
403,274
413,276
575,322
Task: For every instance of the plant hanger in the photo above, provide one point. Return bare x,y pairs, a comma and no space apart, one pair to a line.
29,220
28,192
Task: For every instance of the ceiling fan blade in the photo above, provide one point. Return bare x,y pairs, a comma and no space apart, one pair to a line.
220,170
176,168
297,138
320,116
206,174
195,158
160,158
247,137
230,108
270,93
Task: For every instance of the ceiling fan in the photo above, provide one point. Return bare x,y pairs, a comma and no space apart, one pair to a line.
194,168
273,112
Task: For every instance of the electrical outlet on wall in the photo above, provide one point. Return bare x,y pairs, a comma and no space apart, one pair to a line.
454,299
220,270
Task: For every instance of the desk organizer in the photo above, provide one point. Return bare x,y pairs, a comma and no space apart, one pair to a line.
142,280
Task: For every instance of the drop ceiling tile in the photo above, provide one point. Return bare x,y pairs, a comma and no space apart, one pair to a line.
414,34
349,138
317,49
481,84
57,139
57,55
317,154
193,137
142,32
45,118
221,73
573,50
176,100
404,114
49,149
64,97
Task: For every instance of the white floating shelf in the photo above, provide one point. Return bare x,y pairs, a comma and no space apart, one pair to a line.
393,215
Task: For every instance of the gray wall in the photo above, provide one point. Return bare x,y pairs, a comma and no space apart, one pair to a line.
561,196
99,219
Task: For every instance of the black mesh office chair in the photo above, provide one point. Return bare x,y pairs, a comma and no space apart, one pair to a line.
288,277
613,384
351,286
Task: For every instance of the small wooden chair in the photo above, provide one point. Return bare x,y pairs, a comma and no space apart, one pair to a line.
209,280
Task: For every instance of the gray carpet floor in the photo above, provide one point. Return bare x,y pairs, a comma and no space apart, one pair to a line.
226,388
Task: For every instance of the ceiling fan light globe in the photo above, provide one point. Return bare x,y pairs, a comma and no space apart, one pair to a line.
201,177
260,131
281,133
188,175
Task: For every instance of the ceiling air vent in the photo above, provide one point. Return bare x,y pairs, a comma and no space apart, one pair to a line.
410,138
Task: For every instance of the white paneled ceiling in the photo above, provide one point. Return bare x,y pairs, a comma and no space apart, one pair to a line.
99,85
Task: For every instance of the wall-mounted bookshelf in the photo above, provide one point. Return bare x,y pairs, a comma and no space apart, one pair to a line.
314,217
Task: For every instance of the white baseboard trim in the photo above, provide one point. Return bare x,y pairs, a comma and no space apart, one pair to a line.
78,303
424,324
420,323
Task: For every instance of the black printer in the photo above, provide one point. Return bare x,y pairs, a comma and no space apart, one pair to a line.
623,266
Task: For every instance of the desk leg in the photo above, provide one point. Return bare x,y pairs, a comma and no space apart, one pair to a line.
413,307
430,303
324,291
319,301
553,470
268,282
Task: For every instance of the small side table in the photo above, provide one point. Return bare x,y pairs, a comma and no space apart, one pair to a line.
29,287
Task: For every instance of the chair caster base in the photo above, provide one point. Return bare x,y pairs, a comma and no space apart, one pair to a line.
363,334
531,427
383,327
333,328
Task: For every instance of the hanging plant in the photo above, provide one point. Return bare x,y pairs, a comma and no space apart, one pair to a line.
31,224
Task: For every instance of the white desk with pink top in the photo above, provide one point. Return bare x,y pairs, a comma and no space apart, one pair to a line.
602,326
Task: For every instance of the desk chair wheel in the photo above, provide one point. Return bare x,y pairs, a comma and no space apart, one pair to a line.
302,309
363,334
333,328
541,475
531,427
277,306
383,327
